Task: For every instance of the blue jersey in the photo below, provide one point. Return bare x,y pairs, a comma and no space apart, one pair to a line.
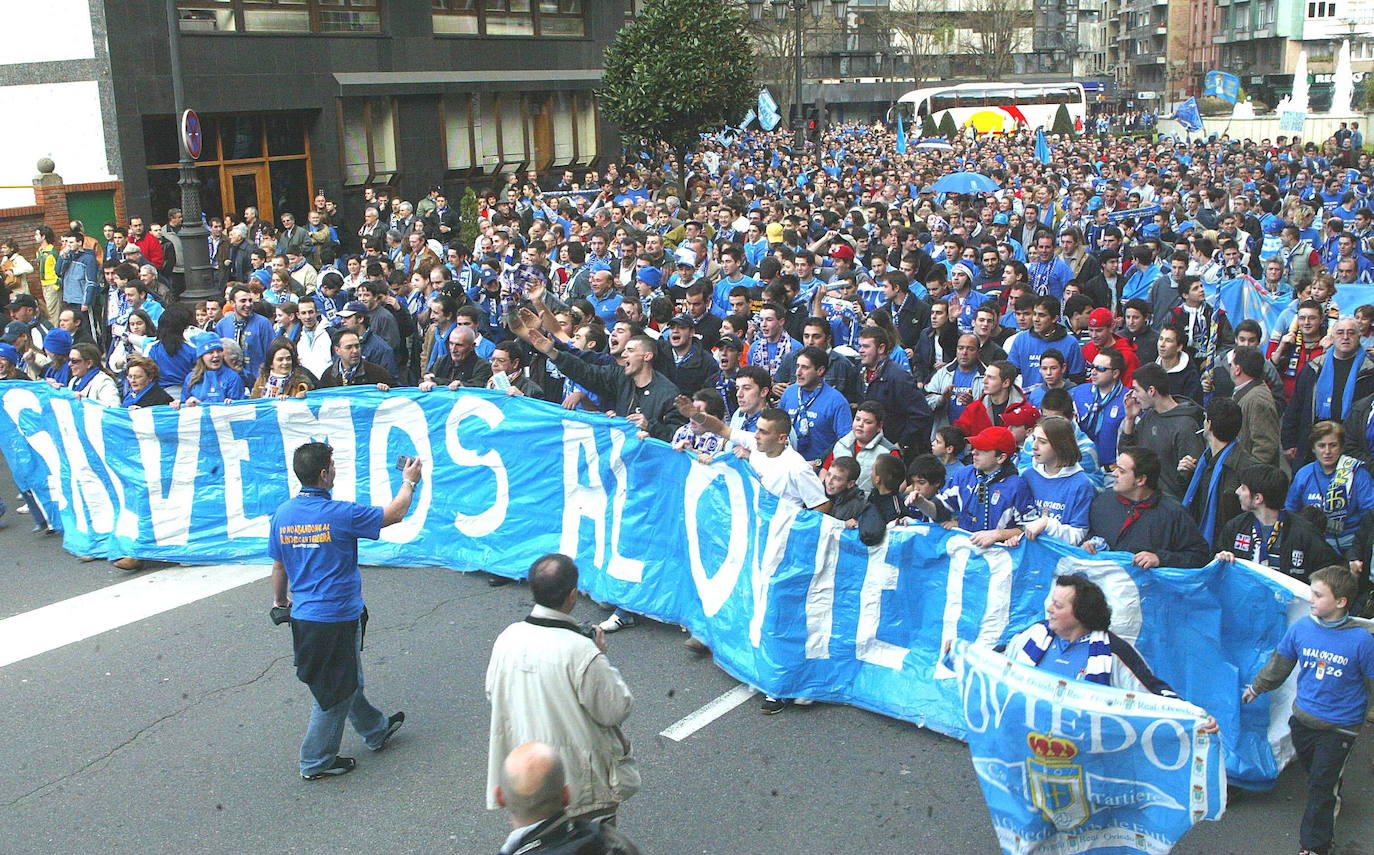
1049,277
1344,507
720,297
254,336
215,387
820,417
1332,667
1100,417
316,539
1026,350
1064,498
981,502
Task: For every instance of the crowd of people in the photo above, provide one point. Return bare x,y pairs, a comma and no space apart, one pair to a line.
1050,358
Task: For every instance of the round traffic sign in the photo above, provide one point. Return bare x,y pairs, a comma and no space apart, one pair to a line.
190,133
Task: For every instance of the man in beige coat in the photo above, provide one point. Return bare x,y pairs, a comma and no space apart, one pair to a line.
549,682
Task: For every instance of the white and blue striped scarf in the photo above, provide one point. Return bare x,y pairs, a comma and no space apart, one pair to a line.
1039,638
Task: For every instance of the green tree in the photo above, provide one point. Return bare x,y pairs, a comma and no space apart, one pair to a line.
467,219
928,127
947,128
681,69
1063,125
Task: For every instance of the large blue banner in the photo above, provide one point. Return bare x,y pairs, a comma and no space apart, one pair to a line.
788,600
1074,767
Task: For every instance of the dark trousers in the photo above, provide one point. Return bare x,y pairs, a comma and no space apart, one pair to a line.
1323,754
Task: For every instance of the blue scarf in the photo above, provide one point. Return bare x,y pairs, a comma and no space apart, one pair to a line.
1209,508
1038,641
1326,382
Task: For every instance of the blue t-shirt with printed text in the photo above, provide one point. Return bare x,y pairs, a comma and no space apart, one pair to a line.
1332,667
316,538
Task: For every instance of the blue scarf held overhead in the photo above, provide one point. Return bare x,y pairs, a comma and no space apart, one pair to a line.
1324,393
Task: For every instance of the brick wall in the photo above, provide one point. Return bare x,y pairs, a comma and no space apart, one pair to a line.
50,194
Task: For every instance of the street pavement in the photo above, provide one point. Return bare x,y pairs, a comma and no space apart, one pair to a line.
178,734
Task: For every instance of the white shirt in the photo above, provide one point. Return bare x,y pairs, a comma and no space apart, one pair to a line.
787,476
316,350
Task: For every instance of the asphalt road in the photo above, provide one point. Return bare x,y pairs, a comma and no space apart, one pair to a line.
178,733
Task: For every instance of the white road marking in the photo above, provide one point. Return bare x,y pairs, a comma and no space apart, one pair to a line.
62,623
693,722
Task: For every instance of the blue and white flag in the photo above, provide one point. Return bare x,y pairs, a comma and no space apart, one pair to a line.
1068,766
1188,115
1243,297
1134,213
1219,84
768,110
747,120
901,135
788,600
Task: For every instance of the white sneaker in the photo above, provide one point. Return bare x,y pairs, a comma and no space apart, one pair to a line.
803,702
614,623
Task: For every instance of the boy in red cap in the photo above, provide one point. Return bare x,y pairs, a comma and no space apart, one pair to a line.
1102,335
989,498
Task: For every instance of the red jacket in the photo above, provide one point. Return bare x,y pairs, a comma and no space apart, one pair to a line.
151,248
1128,353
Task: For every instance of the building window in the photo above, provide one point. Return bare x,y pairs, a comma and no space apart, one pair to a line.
1322,9
280,16
257,160
538,18
488,133
367,137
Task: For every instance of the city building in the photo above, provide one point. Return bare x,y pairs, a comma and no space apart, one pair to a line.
295,95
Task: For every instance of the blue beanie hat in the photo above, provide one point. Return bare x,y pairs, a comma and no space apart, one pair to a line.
58,342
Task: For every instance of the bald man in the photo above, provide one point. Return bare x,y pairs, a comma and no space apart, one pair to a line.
533,789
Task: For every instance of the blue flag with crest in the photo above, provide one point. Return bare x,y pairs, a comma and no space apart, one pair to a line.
1068,766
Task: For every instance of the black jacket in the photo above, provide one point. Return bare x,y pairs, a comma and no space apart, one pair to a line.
910,320
691,373
1301,548
926,355
907,417
1227,502
655,401
1299,416
1165,529
559,835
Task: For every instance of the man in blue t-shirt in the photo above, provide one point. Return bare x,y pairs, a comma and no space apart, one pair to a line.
820,414
314,549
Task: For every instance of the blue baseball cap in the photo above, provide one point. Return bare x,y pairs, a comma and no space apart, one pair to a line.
651,276
8,352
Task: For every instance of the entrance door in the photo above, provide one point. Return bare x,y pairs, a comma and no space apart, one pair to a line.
248,186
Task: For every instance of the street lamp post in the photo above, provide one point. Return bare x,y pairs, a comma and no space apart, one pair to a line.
195,245
780,10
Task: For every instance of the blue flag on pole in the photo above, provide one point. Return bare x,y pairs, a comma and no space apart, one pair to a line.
768,110
1219,84
1042,146
1070,766
1188,115
901,135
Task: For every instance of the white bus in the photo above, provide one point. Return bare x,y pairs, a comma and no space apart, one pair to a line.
992,107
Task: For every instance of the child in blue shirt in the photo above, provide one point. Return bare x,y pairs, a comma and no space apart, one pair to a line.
1335,658
988,499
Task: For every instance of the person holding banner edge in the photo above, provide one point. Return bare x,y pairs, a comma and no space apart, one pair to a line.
1075,641
314,549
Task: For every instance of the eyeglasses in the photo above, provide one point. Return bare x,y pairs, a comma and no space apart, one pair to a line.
1100,367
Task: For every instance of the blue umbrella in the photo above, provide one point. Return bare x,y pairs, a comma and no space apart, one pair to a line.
966,182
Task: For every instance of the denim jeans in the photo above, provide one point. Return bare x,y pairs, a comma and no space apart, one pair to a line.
325,731
1322,754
